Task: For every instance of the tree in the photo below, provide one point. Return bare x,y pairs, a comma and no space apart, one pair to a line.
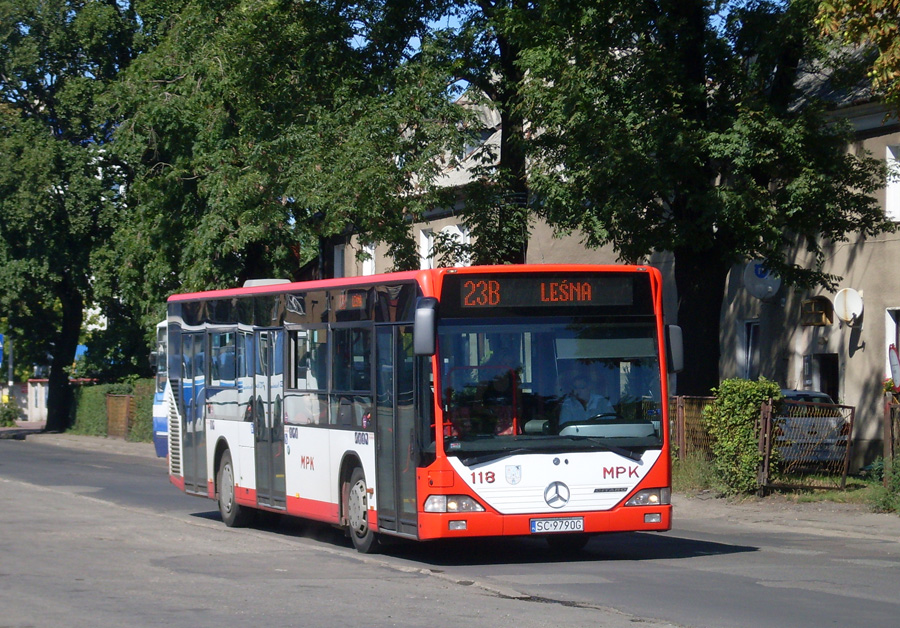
869,23
665,127
253,131
57,197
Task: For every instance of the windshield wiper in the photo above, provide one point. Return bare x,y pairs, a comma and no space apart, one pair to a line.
625,453
496,455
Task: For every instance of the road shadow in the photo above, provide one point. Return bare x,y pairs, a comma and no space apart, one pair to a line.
620,546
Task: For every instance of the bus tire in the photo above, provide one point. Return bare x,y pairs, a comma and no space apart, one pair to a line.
233,515
363,537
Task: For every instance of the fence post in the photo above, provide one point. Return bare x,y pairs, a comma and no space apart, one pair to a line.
680,440
765,430
888,437
848,449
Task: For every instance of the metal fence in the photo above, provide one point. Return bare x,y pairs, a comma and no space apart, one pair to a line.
803,445
689,433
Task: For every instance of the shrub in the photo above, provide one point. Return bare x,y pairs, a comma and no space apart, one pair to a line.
887,498
732,424
141,428
9,413
90,409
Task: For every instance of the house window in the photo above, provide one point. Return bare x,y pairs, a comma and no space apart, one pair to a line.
817,312
368,265
459,234
339,261
892,188
426,249
891,336
751,349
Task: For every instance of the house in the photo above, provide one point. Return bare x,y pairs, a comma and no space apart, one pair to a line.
835,342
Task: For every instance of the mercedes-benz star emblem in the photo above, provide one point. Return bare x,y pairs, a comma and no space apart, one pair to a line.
556,495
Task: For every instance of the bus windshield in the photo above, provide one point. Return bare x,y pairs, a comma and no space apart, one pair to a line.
566,383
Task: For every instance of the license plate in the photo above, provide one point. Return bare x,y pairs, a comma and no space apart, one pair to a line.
559,524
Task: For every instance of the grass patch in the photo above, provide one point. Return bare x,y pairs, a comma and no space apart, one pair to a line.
694,473
857,491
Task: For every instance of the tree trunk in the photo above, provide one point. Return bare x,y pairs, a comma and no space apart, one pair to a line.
700,278
512,229
60,398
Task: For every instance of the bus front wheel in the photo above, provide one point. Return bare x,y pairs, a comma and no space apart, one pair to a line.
364,538
233,515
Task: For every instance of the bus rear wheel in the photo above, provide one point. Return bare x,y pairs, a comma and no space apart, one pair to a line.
234,515
363,537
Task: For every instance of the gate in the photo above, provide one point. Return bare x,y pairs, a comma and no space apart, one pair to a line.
805,445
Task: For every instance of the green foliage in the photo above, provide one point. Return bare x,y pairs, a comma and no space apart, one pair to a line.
9,413
695,473
248,134
873,23
90,409
886,498
243,163
696,128
58,179
141,428
732,422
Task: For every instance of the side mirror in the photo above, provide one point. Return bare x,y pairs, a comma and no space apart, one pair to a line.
425,326
674,349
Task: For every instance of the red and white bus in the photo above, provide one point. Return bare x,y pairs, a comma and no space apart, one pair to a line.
429,404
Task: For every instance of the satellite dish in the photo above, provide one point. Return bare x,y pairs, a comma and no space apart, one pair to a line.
848,305
760,281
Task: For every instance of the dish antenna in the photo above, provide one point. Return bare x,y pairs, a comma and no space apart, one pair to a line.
848,306
760,281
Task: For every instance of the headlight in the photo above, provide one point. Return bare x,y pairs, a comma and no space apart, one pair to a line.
651,497
452,503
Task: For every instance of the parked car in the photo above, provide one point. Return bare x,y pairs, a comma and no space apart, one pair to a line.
811,428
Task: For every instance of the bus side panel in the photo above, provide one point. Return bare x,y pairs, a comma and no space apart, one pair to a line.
160,423
232,434
308,476
345,447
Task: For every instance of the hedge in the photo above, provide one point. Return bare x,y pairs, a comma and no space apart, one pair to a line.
732,424
90,409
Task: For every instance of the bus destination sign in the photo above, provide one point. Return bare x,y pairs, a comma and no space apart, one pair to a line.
478,291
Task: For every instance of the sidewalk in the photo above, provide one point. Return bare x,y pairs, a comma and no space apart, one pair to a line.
33,431
22,429
781,513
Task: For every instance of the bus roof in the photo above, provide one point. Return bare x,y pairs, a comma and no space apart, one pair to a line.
426,278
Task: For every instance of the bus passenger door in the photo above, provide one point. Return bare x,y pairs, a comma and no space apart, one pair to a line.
268,418
193,378
395,431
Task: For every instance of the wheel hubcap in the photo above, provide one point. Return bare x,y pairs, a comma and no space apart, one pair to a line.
227,488
356,507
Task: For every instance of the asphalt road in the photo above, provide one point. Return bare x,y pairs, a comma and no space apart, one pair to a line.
95,535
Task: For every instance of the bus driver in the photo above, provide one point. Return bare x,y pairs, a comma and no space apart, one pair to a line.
582,404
